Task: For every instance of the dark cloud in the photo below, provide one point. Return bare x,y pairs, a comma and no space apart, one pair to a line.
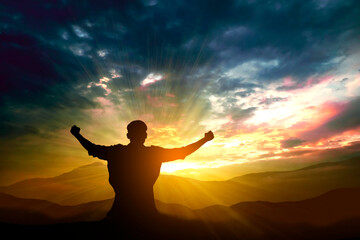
303,38
293,32
288,88
346,119
176,36
242,114
10,131
291,142
225,84
30,66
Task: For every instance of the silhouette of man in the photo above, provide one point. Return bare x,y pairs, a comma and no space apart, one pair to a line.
134,169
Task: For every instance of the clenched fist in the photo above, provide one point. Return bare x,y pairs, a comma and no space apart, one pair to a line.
209,136
75,130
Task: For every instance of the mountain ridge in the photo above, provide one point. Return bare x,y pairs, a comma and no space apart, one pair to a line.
90,183
318,210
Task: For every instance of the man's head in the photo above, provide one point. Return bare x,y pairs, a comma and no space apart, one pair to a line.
137,132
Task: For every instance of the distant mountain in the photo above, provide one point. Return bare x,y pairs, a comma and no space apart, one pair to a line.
300,160
333,215
329,208
34,211
234,170
89,183
84,184
306,182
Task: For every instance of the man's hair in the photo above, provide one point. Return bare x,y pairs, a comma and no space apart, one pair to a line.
136,126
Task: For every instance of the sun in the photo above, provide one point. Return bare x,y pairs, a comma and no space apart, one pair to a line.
171,167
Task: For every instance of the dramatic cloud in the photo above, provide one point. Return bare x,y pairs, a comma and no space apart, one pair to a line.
259,73
317,155
347,119
292,142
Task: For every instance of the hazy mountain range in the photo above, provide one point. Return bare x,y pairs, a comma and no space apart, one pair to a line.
332,215
89,183
326,209
316,202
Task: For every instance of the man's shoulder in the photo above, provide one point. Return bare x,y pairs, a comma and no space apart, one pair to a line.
119,145
155,148
116,147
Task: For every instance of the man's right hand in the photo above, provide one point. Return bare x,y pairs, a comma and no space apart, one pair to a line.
209,136
75,130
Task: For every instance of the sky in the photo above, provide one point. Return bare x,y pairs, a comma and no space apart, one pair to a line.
272,79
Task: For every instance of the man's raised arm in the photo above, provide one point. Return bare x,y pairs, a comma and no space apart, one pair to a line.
83,141
181,153
102,152
189,149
